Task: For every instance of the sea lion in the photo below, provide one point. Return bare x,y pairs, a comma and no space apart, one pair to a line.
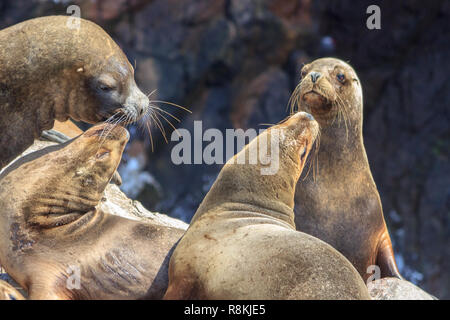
50,70
242,242
51,230
8,292
339,203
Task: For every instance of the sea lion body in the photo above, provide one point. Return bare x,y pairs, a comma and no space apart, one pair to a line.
51,230
50,70
338,200
242,242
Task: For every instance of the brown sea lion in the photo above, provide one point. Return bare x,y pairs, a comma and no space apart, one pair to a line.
339,202
50,70
242,242
8,292
56,244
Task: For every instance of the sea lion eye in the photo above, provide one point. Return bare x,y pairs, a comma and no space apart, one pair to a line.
105,87
340,77
303,73
102,154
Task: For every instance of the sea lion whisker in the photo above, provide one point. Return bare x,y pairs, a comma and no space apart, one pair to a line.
266,124
170,123
294,99
112,126
283,120
342,106
157,108
109,121
291,102
147,124
172,104
316,154
148,96
160,126
309,168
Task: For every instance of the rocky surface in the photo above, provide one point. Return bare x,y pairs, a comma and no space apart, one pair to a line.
234,63
396,289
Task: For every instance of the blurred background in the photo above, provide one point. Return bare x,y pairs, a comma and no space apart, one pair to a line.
234,63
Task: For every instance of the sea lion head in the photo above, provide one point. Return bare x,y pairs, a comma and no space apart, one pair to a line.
329,90
61,186
109,91
297,135
97,154
96,73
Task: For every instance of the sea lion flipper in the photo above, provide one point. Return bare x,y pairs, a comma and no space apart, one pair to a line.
385,258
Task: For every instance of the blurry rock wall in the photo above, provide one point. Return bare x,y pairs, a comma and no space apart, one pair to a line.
234,63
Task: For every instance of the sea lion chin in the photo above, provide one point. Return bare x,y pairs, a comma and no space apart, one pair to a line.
54,234
242,242
50,71
316,102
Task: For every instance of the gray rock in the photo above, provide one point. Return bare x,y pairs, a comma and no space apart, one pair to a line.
396,289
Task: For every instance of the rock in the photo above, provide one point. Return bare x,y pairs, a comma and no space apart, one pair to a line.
264,96
396,289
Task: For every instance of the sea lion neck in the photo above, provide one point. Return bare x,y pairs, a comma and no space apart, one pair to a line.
242,189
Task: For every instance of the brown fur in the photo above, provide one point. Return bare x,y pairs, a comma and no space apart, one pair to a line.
242,242
338,201
49,222
49,71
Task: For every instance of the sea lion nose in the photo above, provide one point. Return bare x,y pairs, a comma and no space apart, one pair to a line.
305,115
309,116
315,76
144,104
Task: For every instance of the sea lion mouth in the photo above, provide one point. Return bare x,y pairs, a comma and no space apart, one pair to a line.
113,131
118,116
317,102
